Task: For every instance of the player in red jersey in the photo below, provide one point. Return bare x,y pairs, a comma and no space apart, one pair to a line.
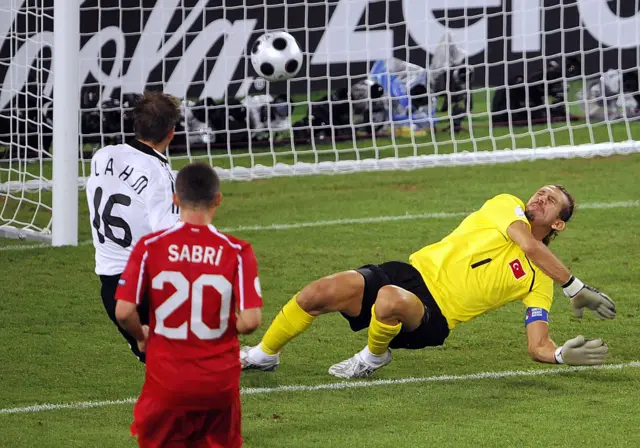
203,289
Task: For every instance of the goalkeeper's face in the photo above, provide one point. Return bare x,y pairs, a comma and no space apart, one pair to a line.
546,206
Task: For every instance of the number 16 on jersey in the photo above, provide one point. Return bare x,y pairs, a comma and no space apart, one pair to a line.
109,220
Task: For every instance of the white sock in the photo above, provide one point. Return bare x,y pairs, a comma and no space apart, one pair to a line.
259,356
370,358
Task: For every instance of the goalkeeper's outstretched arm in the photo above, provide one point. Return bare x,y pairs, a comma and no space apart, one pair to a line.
538,253
577,351
582,296
541,347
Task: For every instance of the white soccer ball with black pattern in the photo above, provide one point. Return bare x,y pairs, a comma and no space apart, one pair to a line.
276,56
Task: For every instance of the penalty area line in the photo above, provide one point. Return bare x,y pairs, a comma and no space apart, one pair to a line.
340,386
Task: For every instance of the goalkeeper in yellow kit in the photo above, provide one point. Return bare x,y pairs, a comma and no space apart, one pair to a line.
498,254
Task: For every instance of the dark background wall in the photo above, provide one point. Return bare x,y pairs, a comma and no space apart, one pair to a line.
563,32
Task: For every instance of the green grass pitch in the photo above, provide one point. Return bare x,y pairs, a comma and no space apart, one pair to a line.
57,345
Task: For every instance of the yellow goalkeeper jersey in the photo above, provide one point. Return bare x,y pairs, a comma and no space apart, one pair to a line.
478,268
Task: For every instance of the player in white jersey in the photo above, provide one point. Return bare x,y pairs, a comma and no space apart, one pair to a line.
130,194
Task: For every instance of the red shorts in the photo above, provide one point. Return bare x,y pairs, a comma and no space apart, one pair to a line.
160,425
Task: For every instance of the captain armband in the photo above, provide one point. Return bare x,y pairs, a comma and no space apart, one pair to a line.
535,314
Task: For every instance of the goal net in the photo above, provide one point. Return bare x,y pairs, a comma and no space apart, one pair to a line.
396,84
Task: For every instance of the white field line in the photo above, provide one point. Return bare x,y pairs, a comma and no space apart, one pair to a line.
336,222
341,385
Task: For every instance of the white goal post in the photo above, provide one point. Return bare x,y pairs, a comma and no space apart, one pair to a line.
66,48
385,85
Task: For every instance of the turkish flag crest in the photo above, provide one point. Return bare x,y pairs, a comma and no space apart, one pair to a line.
517,269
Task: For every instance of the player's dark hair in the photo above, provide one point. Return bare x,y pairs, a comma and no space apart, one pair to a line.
565,214
154,115
197,185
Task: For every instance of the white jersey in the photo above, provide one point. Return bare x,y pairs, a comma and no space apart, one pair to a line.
130,195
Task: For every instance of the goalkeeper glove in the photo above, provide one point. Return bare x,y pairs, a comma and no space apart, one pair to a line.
583,296
582,352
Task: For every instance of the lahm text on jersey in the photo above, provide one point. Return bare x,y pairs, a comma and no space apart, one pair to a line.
195,254
137,182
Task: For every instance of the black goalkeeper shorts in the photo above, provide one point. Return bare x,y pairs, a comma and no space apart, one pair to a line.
108,293
434,328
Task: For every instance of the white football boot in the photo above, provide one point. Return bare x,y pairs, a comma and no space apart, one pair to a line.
357,367
252,358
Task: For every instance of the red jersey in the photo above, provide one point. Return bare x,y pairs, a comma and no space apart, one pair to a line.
194,278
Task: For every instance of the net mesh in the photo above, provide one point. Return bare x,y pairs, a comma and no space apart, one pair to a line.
384,85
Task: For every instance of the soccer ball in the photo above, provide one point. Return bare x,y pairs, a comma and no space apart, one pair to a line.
276,56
